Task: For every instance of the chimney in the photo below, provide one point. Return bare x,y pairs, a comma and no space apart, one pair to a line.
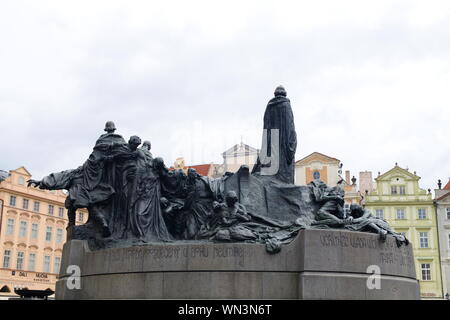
365,182
347,177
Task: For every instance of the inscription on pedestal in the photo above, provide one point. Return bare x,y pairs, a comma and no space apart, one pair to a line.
388,253
176,253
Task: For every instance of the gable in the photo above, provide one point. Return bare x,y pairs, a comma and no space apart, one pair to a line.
22,170
397,172
317,157
240,149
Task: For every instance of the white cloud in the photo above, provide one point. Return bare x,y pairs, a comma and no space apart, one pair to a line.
368,81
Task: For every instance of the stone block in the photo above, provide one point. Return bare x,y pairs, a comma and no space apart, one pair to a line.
318,264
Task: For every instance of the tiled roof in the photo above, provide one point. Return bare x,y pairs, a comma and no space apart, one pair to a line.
443,196
447,186
201,169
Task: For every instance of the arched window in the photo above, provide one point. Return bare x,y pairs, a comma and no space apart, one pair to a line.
5,289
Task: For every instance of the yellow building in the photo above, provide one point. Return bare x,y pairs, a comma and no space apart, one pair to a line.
32,233
409,209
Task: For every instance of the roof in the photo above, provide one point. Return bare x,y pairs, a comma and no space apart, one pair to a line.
22,170
240,148
443,196
201,169
317,156
397,169
447,186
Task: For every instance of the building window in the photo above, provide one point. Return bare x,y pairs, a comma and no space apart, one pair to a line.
34,231
32,262
81,217
36,206
423,238
421,213
12,201
50,209
57,264
449,241
426,271
6,258
23,229
59,233
21,180
393,189
379,213
46,263
25,204
402,189
400,214
61,212
19,265
48,234
10,226
448,213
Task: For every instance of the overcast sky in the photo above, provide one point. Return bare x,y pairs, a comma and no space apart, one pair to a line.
369,81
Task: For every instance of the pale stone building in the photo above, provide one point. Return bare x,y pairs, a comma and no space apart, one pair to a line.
32,233
238,155
442,203
233,159
399,200
366,182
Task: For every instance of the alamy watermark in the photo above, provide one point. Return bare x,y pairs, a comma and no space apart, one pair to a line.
270,163
374,280
74,279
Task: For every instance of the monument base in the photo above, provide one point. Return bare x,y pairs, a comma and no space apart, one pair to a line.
318,264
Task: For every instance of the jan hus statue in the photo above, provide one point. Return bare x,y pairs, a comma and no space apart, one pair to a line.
278,125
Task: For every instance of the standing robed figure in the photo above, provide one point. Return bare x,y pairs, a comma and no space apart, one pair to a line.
278,115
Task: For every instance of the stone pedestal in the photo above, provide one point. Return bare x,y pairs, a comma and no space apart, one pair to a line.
318,264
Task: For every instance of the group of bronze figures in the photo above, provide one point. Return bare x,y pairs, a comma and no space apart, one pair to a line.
331,214
133,198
